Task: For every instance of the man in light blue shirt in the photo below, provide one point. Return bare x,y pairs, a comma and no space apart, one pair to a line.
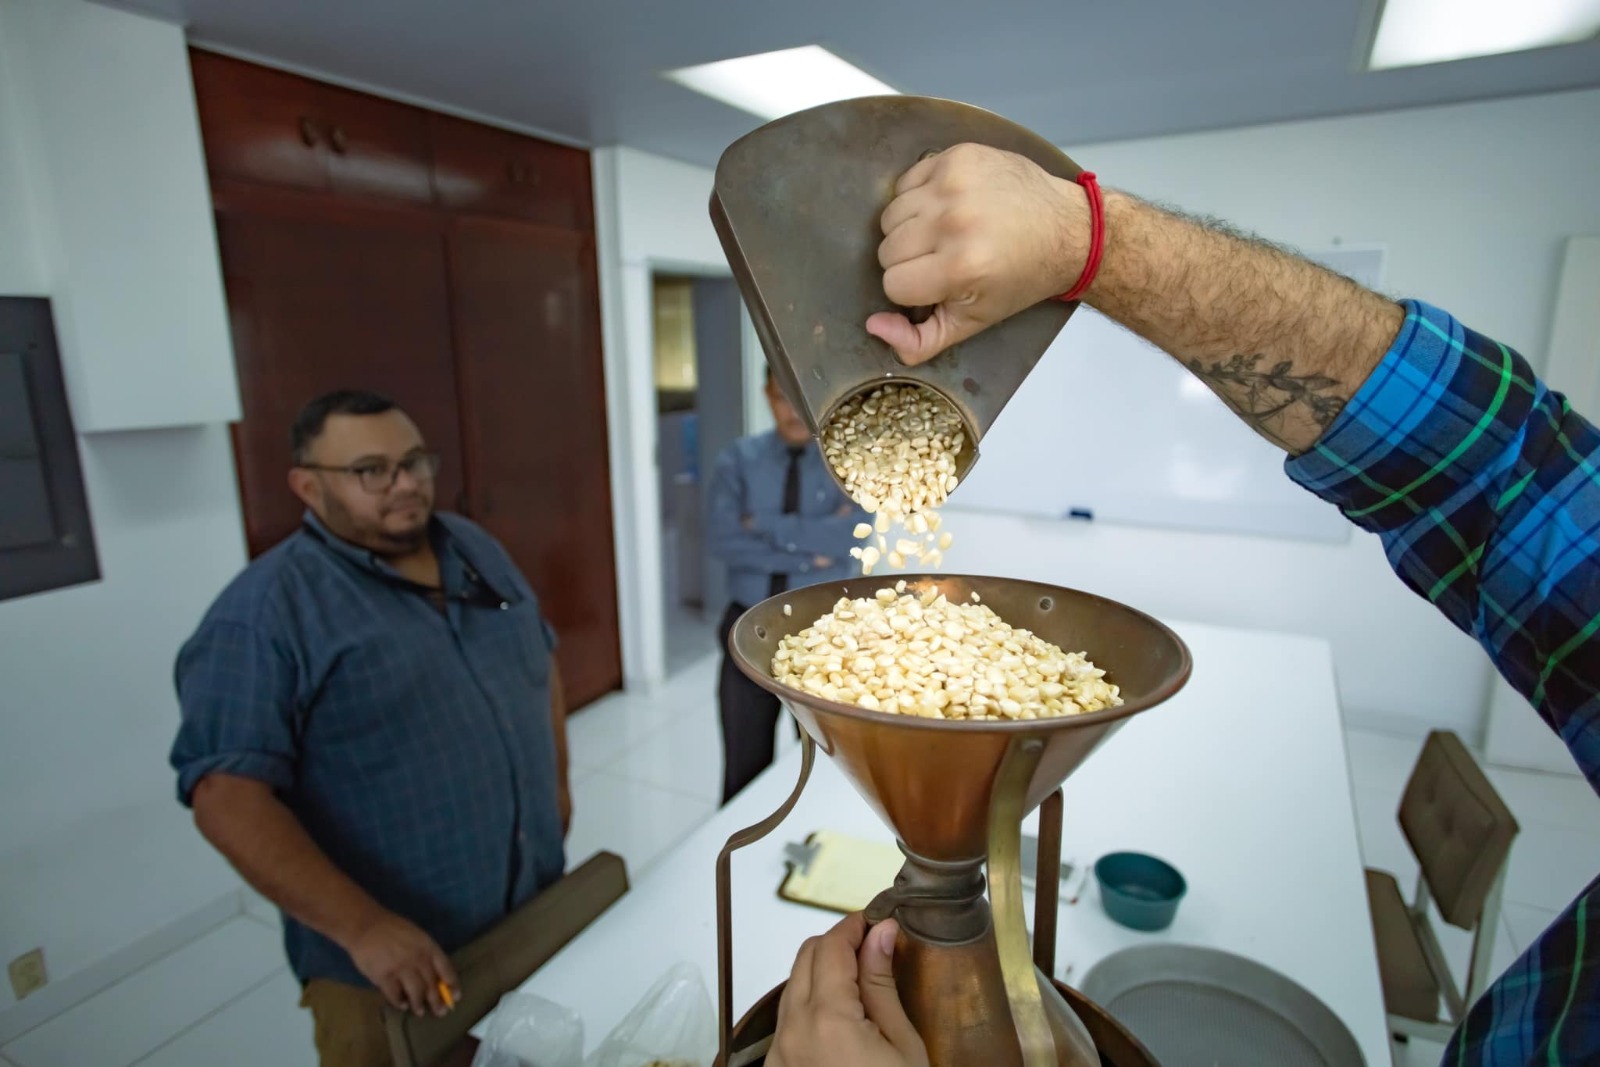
778,521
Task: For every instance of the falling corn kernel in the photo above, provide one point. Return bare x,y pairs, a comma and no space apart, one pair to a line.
895,449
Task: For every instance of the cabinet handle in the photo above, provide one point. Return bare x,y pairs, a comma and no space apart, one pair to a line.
338,140
518,171
308,132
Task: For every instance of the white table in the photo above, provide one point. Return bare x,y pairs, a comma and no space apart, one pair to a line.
1240,781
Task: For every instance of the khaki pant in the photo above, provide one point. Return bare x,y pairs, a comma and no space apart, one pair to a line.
350,1030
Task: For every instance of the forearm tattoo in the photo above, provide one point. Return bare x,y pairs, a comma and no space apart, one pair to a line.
1266,397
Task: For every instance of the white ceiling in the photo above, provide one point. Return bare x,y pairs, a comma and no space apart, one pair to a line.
1076,71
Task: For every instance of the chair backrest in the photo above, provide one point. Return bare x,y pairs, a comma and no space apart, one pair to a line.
1458,827
504,957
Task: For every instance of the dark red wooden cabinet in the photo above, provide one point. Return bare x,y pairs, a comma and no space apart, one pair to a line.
526,319
485,171
369,244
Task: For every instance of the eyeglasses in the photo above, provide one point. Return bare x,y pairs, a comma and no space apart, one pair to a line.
379,476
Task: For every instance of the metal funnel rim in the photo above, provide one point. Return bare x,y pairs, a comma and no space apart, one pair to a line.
798,117
761,674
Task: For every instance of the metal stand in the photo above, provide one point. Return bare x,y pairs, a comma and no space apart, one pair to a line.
748,836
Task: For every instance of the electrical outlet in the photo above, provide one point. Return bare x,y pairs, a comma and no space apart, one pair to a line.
27,973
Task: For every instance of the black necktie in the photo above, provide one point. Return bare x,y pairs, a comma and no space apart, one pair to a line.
791,505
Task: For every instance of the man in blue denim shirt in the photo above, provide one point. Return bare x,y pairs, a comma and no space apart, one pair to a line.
373,730
778,521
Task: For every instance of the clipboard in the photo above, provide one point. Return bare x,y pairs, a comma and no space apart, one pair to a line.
837,872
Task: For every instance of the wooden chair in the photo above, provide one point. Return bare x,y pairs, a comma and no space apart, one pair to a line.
503,958
1461,833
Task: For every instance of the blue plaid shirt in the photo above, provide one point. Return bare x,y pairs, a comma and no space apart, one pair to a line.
1483,485
414,746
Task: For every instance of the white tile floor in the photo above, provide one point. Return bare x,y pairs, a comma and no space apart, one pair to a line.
691,635
646,771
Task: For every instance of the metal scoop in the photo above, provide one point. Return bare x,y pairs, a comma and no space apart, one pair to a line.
796,204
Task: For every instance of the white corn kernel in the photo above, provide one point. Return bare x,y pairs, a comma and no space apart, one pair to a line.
862,531
913,652
894,448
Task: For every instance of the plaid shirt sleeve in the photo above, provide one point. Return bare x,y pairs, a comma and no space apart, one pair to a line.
236,692
1483,485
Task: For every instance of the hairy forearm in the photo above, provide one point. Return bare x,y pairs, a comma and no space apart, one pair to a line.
271,850
1285,343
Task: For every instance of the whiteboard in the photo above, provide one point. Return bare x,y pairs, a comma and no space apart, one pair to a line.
1109,428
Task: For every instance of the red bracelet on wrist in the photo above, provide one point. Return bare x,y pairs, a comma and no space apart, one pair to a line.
1097,238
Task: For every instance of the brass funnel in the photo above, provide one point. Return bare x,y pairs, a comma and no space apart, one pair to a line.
955,793
932,780
796,205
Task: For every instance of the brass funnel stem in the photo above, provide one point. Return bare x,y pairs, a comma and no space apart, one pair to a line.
939,903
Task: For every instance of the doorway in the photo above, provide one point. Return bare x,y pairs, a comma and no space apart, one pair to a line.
699,382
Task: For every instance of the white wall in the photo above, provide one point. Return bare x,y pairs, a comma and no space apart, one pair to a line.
1472,203
650,214
95,853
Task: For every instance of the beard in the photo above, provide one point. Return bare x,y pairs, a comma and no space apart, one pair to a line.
381,536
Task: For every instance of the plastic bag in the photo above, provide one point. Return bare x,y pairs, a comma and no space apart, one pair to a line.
529,1031
673,1026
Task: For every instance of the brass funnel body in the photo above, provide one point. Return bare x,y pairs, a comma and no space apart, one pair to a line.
955,793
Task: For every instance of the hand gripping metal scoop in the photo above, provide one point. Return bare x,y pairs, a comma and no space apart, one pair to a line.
797,206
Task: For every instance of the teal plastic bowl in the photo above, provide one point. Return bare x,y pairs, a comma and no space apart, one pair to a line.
1141,892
